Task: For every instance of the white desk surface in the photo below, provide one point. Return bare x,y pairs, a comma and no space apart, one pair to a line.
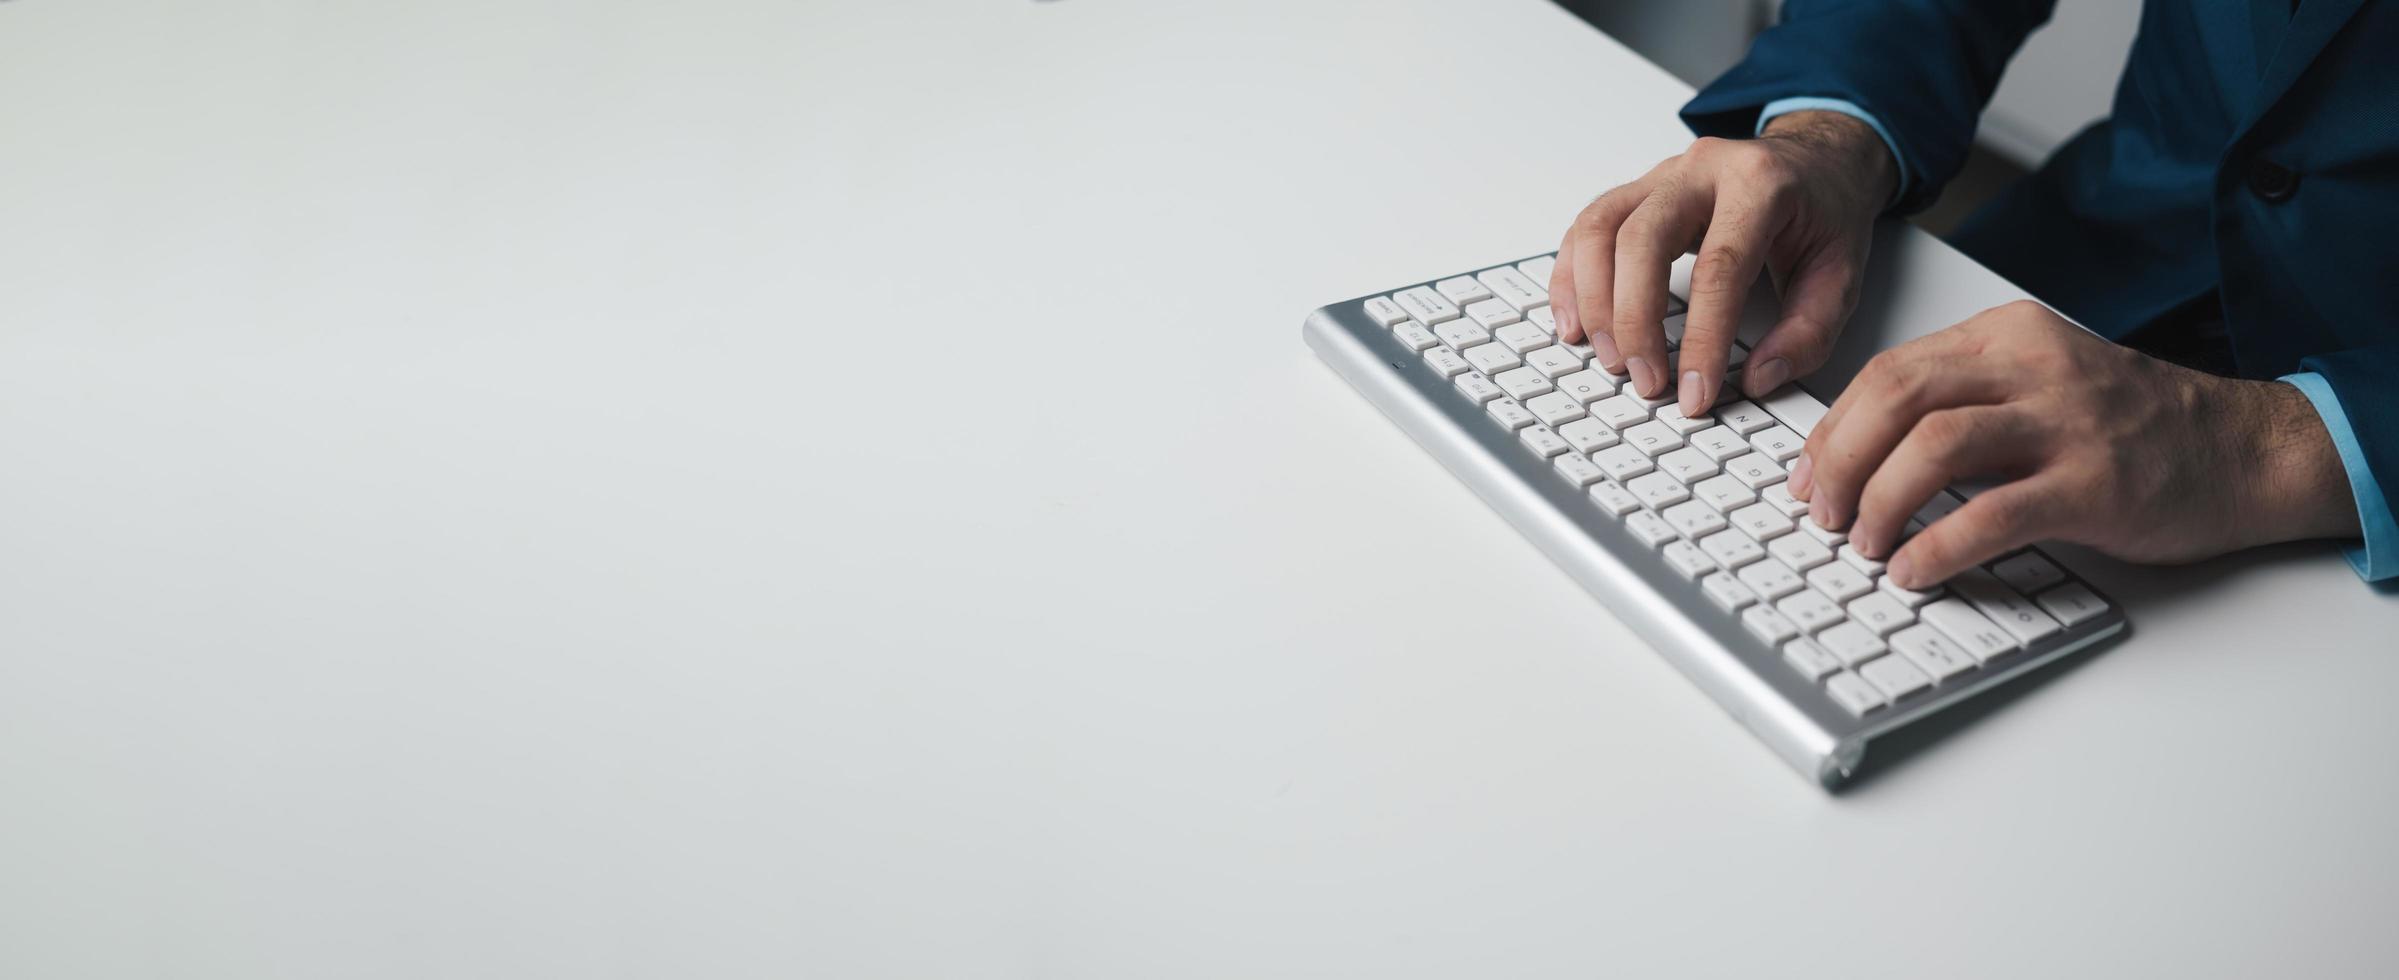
770,489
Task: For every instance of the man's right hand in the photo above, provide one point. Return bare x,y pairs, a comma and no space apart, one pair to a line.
1799,201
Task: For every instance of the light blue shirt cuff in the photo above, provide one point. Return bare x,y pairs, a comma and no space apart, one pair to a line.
1782,106
2377,556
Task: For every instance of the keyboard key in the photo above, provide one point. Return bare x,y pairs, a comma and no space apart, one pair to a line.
1897,678
2073,603
1384,312
1768,624
1620,413
1554,408
1415,335
1687,465
1977,635
1622,462
1719,442
1769,579
1522,337
1779,443
1824,536
1478,388
1543,441
1554,361
1578,469
1723,493
1687,560
1799,551
1588,387
1671,416
1931,652
1510,414
1426,305
1652,438
1673,325
1649,529
1857,559
1462,290
1743,418
1810,609
1810,660
1492,314
1614,499
1853,694
1588,435
1881,613
1694,519
1727,592
1732,549
1839,581
1657,491
1515,290
1521,383
1495,359
1461,334
1755,470
1908,597
2014,613
1538,270
1761,522
1795,408
1942,504
1853,643
1447,362
1540,316
1779,497
2028,573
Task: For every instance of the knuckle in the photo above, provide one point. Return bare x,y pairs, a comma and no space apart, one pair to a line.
1719,268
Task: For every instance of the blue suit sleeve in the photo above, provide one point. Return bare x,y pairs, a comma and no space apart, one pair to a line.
1923,68
2356,393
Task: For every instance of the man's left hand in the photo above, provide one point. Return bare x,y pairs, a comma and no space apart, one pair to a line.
2096,444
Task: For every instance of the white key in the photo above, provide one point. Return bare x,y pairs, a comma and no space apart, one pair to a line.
1719,443
1687,465
1652,437
1810,660
1385,312
1538,269
1880,613
1755,470
1779,443
1839,581
1509,414
1761,522
1462,290
1856,559
1727,592
1673,326
1425,305
1515,290
1544,442
1540,316
1695,520
1522,337
1744,417
1415,335
1614,499
1650,529
1651,405
1622,462
1779,497
1657,491
1588,387
1461,334
1810,609
1853,694
1942,504
1492,314
1853,643
1554,361
1588,435
1931,652
1798,551
1769,625
1910,598
1795,408
1492,359
1769,579
2073,603
1971,631
1723,493
1578,469
1895,677
1523,383
1446,362
1824,536
2014,613
1732,549
1477,388
1620,413
1554,408
2028,573
1687,560
1672,416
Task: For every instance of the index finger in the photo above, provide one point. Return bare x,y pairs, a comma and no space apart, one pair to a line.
1730,259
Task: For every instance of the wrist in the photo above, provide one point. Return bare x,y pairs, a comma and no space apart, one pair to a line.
1851,148
2296,487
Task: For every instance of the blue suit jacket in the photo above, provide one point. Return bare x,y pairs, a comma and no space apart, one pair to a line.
2250,170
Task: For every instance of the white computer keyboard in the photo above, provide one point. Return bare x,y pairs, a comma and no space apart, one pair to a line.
1703,500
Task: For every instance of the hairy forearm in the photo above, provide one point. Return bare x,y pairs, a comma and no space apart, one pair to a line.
1852,144
2296,487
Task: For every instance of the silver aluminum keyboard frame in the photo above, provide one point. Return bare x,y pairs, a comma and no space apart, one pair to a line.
1748,678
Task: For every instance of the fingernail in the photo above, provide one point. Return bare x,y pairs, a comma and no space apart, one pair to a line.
1694,395
1903,571
1803,475
1604,348
1766,377
1645,378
